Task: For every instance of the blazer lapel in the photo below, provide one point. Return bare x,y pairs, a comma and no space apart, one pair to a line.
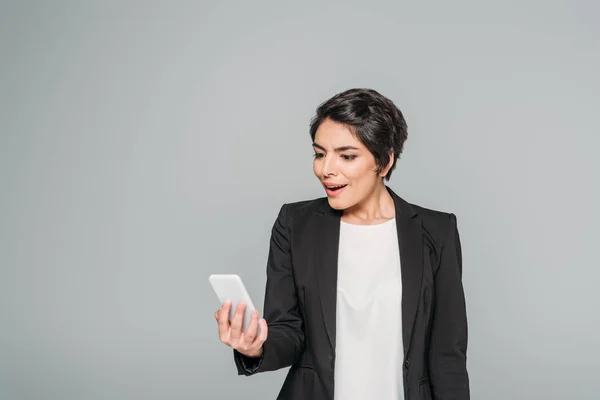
410,234
326,245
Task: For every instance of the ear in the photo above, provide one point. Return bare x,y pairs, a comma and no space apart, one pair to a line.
385,170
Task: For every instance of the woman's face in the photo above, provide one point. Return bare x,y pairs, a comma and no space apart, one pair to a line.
344,166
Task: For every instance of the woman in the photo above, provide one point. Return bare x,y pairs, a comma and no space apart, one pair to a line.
364,298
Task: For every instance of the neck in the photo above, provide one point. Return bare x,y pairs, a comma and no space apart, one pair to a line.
378,206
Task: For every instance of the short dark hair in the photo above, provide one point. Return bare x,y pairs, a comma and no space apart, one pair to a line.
372,118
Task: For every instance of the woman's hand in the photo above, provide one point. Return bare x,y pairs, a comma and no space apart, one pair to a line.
247,343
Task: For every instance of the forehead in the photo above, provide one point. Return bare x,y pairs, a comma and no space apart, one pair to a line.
334,134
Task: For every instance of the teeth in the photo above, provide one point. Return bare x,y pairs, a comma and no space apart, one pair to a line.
335,187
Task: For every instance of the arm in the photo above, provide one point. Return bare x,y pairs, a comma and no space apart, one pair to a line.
285,340
448,343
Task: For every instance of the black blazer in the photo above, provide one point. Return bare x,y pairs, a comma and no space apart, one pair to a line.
300,303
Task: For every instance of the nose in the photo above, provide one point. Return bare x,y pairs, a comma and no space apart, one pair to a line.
329,167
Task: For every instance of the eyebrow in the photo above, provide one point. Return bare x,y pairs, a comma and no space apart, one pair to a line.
337,149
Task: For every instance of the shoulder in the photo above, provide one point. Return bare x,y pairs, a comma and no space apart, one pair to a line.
434,218
305,207
301,210
438,225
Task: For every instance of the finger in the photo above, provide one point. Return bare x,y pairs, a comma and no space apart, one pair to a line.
226,306
236,323
224,312
250,333
264,332
224,321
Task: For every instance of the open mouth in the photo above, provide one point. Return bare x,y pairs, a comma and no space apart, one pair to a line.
335,188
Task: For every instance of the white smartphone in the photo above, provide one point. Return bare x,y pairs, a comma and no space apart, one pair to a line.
230,286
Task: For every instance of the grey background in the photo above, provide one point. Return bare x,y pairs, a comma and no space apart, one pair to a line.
146,145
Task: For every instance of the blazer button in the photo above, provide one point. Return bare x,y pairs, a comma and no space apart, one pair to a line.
407,363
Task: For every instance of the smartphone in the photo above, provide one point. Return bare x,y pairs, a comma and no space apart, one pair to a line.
230,286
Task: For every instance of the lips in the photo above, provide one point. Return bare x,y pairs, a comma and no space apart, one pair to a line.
335,187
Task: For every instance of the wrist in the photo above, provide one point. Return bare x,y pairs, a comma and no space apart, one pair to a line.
256,354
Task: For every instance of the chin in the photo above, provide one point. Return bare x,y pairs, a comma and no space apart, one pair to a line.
336,204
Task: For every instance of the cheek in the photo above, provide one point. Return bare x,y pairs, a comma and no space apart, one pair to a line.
358,172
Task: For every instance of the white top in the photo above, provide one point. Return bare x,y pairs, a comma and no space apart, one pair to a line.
369,351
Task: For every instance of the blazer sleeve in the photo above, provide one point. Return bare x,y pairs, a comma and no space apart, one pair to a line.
285,340
448,341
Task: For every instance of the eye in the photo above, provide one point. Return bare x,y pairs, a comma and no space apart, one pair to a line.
348,157
319,155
